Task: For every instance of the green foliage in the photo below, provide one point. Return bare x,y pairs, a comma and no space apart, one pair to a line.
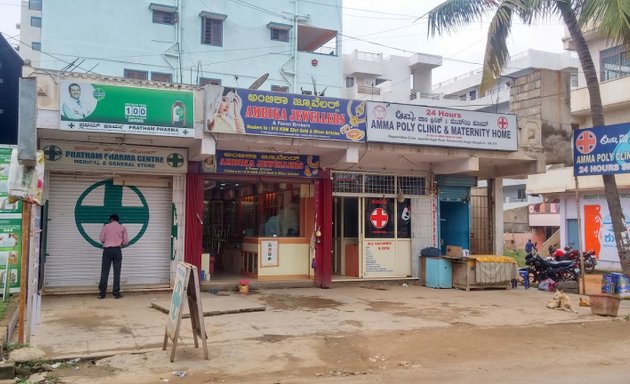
516,254
13,346
3,309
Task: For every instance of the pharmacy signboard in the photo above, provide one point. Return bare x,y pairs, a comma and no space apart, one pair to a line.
91,107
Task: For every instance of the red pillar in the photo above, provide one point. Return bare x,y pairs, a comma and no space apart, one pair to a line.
194,215
323,247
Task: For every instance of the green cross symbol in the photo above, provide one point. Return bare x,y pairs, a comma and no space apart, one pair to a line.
93,214
52,152
175,160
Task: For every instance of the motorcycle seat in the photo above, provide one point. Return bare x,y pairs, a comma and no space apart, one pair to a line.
563,263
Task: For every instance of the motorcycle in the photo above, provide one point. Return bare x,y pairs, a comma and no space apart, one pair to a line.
540,269
570,253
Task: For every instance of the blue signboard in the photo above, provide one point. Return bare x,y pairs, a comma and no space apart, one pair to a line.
266,164
601,150
244,111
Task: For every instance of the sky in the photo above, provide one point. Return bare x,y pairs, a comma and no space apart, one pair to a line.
395,27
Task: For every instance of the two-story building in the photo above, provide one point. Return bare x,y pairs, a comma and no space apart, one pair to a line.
584,217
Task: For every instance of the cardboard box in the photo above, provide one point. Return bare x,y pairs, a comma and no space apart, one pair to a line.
454,251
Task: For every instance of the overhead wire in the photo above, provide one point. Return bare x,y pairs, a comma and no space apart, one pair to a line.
270,12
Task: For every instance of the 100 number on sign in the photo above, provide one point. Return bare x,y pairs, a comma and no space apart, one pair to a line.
135,112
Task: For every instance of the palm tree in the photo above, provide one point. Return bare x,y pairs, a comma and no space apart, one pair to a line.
610,17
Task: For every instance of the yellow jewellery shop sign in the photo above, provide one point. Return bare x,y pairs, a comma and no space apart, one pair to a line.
68,155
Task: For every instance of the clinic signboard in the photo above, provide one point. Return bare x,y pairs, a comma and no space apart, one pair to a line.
441,127
266,164
253,112
72,156
92,107
601,150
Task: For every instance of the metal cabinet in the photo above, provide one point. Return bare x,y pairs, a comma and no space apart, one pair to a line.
439,273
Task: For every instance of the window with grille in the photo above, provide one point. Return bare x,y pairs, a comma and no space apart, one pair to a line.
163,17
614,63
163,77
356,183
279,88
381,184
412,185
279,34
136,74
212,32
349,82
206,80
347,182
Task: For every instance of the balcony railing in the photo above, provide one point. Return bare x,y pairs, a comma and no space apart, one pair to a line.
368,56
367,90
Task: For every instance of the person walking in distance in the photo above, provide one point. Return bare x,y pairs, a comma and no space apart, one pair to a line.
114,237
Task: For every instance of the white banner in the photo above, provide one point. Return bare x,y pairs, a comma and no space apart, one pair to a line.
421,125
73,156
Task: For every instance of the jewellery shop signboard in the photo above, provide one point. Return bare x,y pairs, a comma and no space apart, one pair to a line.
243,111
90,107
263,164
420,125
73,156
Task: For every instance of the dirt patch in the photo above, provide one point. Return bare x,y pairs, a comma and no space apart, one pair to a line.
271,338
305,303
386,306
84,320
354,323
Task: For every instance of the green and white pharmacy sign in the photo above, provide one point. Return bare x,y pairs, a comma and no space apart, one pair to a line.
10,228
90,107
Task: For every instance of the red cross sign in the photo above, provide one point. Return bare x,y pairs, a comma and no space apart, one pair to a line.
502,122
586,142
379,218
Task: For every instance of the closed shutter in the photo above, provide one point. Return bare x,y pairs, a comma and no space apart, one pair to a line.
454,194
78,208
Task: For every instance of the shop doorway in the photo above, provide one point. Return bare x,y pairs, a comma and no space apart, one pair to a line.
257,228
346,236
454,224
371,237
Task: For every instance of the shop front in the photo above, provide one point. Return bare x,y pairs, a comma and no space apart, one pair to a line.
107,152
379,220
258,215
391,180
85,184
267,195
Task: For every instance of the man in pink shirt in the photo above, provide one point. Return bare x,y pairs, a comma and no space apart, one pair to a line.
114,237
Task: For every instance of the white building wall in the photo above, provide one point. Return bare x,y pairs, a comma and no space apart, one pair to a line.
114,35
29,34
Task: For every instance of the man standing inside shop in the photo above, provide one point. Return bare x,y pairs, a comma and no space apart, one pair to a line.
114,237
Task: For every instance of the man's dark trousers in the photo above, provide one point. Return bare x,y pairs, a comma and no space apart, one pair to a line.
110,255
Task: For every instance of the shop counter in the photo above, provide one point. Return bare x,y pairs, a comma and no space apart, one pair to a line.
276,257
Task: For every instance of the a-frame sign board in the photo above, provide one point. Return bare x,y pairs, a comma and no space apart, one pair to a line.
186,283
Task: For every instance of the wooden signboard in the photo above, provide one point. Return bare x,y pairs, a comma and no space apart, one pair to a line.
186,285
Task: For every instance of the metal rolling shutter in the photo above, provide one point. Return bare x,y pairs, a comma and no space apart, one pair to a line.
79,205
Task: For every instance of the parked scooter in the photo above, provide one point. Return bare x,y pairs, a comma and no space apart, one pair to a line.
541,269
570,253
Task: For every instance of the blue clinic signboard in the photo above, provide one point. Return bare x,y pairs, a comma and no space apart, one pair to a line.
601,150
244,111
266,164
